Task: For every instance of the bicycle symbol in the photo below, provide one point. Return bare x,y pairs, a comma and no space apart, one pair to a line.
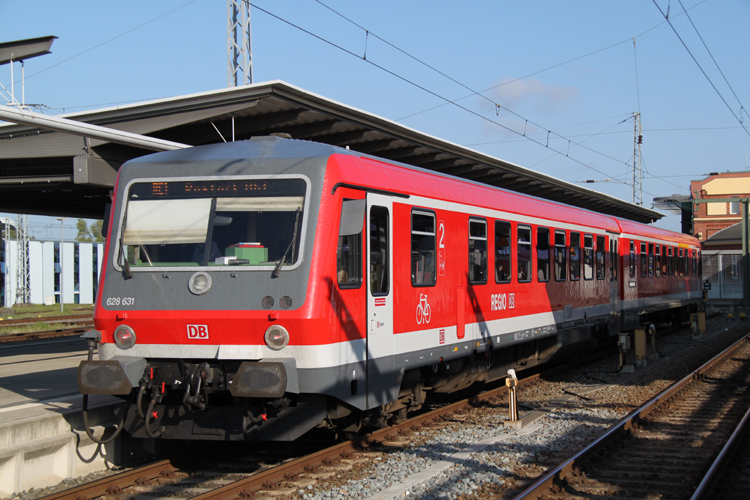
424,313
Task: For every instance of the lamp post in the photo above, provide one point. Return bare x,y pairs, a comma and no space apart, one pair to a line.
62,240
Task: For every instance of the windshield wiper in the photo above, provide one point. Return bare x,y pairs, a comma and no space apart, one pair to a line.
277,270
123,256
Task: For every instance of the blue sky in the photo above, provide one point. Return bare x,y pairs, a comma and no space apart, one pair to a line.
572,68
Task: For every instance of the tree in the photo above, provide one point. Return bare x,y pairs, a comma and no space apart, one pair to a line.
84,233
96,231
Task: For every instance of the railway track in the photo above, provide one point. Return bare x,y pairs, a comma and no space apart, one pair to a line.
168,478
662,449
70,318
248,476
729,475
76,324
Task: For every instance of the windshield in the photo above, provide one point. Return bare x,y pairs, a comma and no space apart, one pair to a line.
234,223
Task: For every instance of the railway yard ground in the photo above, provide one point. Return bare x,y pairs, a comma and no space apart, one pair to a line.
467,452
28,322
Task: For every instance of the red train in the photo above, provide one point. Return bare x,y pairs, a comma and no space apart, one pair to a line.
257,289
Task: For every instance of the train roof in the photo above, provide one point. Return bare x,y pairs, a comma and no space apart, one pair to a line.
412,181
38,174
634,228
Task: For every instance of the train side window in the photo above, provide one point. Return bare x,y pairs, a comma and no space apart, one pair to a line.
616,261
502,252
542,254
560,260
670,262
685,261
644,261
524,254
349,251
575,256
695,252
632,259
657,262
680,259
650,260
664,261
477,252
379,258
588,257
601,248
422,248
700,264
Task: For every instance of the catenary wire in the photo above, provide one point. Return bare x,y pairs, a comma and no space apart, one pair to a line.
713,59
550,67
739,119
111,39
474,92
435,94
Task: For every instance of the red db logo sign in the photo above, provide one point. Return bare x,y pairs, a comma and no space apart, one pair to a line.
197,332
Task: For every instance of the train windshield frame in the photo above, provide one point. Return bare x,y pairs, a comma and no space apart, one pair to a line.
222,223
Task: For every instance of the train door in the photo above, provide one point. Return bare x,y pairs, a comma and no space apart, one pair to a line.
615,278
382,381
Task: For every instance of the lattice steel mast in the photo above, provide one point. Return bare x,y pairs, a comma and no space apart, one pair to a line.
23,277
239,47
637,171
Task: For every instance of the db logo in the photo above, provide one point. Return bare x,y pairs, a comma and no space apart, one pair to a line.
197,332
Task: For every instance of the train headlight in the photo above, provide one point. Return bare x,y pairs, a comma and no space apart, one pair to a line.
277,337
124,337
199,283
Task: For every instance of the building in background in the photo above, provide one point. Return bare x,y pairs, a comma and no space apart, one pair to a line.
80,267
710,218
717,226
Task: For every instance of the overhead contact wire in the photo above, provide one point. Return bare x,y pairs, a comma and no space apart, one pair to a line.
436,94
739,119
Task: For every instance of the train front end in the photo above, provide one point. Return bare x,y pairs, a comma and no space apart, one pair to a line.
203,311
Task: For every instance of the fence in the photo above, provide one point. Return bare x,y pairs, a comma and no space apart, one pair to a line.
723,269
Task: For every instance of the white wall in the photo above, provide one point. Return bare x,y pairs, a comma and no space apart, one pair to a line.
85,282
36,276
42,271
48,269
68,261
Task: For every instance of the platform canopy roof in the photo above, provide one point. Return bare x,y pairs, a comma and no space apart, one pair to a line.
53,173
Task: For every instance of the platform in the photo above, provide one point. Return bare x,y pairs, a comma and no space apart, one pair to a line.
42,437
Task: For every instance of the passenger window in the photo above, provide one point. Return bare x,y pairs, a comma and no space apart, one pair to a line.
601,249
615,262
686,270
542,254
422,248
700,263
588,257
502,252
379,258
695,252
524,254
644,261
477,251
670,263
657,267
681,262
560,260
349,251
575,256
632,259
650,260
